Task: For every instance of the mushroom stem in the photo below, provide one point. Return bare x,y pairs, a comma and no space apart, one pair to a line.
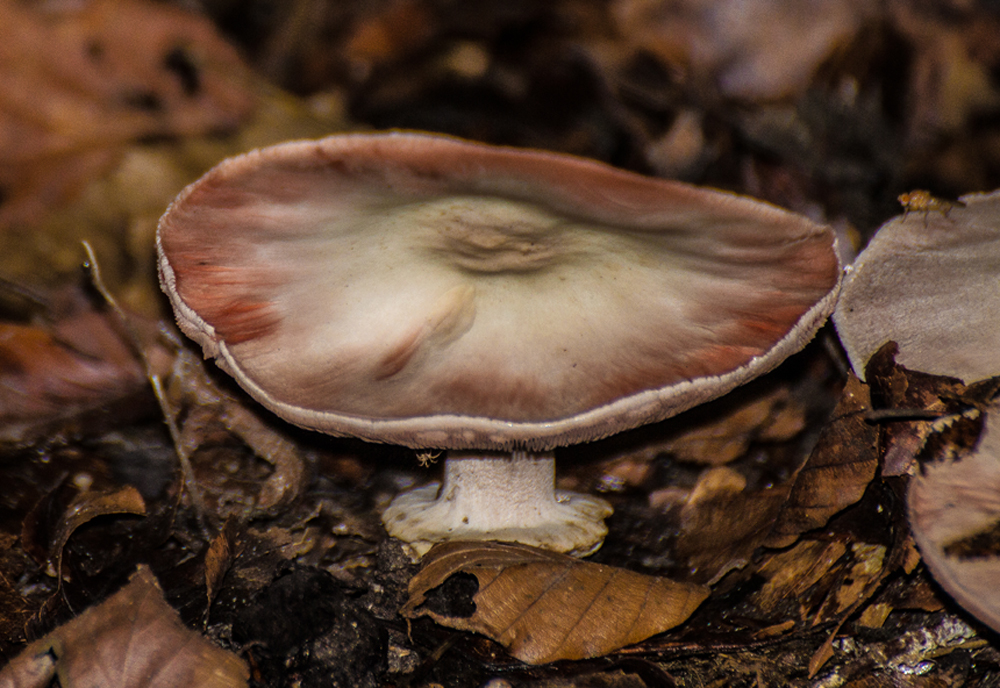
497,496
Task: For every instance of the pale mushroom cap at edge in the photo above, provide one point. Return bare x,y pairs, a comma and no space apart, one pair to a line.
953,509
932,285
435,293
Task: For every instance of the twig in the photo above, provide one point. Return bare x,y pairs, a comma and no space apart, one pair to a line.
169,415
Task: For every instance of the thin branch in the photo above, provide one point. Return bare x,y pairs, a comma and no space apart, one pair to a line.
169,415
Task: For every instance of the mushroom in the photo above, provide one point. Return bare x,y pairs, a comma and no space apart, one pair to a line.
930,284
929,280
440,294
953,507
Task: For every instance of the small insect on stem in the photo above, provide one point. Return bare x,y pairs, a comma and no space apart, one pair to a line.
920,201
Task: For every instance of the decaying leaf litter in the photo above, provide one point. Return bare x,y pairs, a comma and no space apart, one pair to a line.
779,496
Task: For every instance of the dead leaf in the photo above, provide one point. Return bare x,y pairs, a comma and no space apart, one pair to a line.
134,639
219,558
838,471
90,505
768,416
867,566
78,83
726,518
47,542
792,573
921,415
759,50
72,362
711,435
879,546
545,607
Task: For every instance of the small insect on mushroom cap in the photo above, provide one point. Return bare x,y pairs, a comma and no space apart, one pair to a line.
441,294
932,290
920,201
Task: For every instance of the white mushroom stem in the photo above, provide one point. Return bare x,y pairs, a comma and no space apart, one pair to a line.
504,497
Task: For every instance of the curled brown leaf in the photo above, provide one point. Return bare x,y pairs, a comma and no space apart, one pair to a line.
545,607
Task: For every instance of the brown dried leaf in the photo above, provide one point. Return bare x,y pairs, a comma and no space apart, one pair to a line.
837,473
869,566
545,607
78,83
792,573
895,386
46,541
879,547
771,416
90,505
134,639
923,414
724,520
710,435
733,510
78,363
832,573
821,581
219,557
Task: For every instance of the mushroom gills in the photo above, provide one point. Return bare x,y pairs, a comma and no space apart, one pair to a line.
498,496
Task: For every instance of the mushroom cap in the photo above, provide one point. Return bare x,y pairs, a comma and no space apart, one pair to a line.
930,283
432,292
954,509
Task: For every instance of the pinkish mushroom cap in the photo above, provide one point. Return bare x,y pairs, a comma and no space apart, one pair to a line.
435,293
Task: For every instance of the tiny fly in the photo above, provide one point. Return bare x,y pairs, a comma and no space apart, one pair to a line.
923,202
